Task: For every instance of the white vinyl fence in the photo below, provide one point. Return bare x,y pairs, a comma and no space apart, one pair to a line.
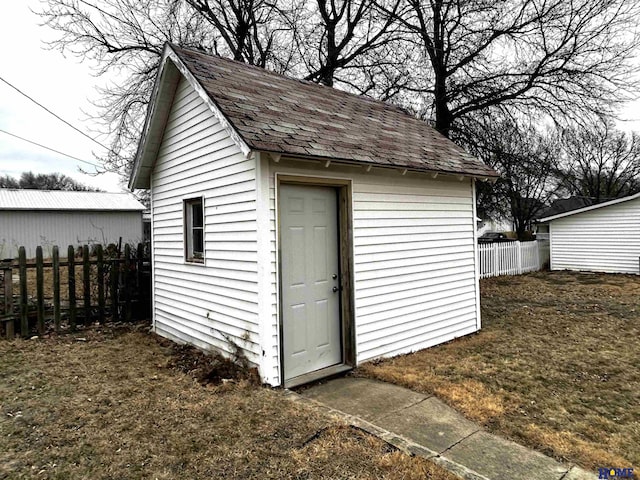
512,258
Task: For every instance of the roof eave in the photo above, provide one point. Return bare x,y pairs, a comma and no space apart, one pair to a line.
157,114
429,171
92,209
588,208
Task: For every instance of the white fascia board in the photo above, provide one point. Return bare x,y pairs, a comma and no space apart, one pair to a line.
158,112
589,208
235,136
156,119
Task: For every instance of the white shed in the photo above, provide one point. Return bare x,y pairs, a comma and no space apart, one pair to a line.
597,238
53,217
308,227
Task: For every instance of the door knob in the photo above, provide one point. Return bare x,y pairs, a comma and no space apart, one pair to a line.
335,289
334,276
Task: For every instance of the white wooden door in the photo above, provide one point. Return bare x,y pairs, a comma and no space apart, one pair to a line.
310,278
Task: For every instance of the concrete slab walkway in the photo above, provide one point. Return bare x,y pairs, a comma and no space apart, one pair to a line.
423,425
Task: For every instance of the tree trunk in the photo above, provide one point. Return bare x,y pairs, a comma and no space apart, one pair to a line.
326,78
443,114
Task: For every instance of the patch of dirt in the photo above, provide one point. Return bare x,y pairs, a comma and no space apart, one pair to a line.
209,368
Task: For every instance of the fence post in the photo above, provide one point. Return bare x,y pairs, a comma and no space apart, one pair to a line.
495,260
24,312
519,246
113,284
7,266
141,293
127,282
71,252
86,284
139,255
40,289
100,268
55,259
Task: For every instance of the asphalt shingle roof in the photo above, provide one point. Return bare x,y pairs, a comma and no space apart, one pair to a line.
278,114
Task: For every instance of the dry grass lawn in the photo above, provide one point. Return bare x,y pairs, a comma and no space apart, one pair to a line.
116,403
555,367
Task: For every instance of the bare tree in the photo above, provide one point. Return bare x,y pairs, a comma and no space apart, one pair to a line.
445,59
600,162
525,159
251,31
559,57
353,37
125,37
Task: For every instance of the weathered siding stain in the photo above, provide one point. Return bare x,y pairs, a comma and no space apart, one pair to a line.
208,304
605,239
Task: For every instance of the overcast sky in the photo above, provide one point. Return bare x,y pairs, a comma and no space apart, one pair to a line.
61,84
66,87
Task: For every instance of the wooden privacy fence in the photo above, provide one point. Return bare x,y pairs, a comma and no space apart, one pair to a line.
81,288
511,258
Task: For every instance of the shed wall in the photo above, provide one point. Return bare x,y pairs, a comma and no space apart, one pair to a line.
606,240
414,259
214,304
49,228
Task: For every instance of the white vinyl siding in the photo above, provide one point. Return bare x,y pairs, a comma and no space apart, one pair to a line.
413,263
414,258
214,304
63,228
605,239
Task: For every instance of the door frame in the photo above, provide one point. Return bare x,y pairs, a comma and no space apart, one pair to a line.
345,256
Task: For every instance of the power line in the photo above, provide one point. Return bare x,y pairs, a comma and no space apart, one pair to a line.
56,115
49,148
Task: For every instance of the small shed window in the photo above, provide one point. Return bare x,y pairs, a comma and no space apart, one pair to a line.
194,230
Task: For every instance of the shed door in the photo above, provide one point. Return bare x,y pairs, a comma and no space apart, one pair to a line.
309,276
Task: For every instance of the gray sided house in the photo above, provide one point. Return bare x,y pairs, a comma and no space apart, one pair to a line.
597,238
311,228
31,218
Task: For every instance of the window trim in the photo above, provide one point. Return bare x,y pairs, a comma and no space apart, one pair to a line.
187,222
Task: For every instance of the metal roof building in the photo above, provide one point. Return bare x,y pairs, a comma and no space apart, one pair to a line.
51,217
